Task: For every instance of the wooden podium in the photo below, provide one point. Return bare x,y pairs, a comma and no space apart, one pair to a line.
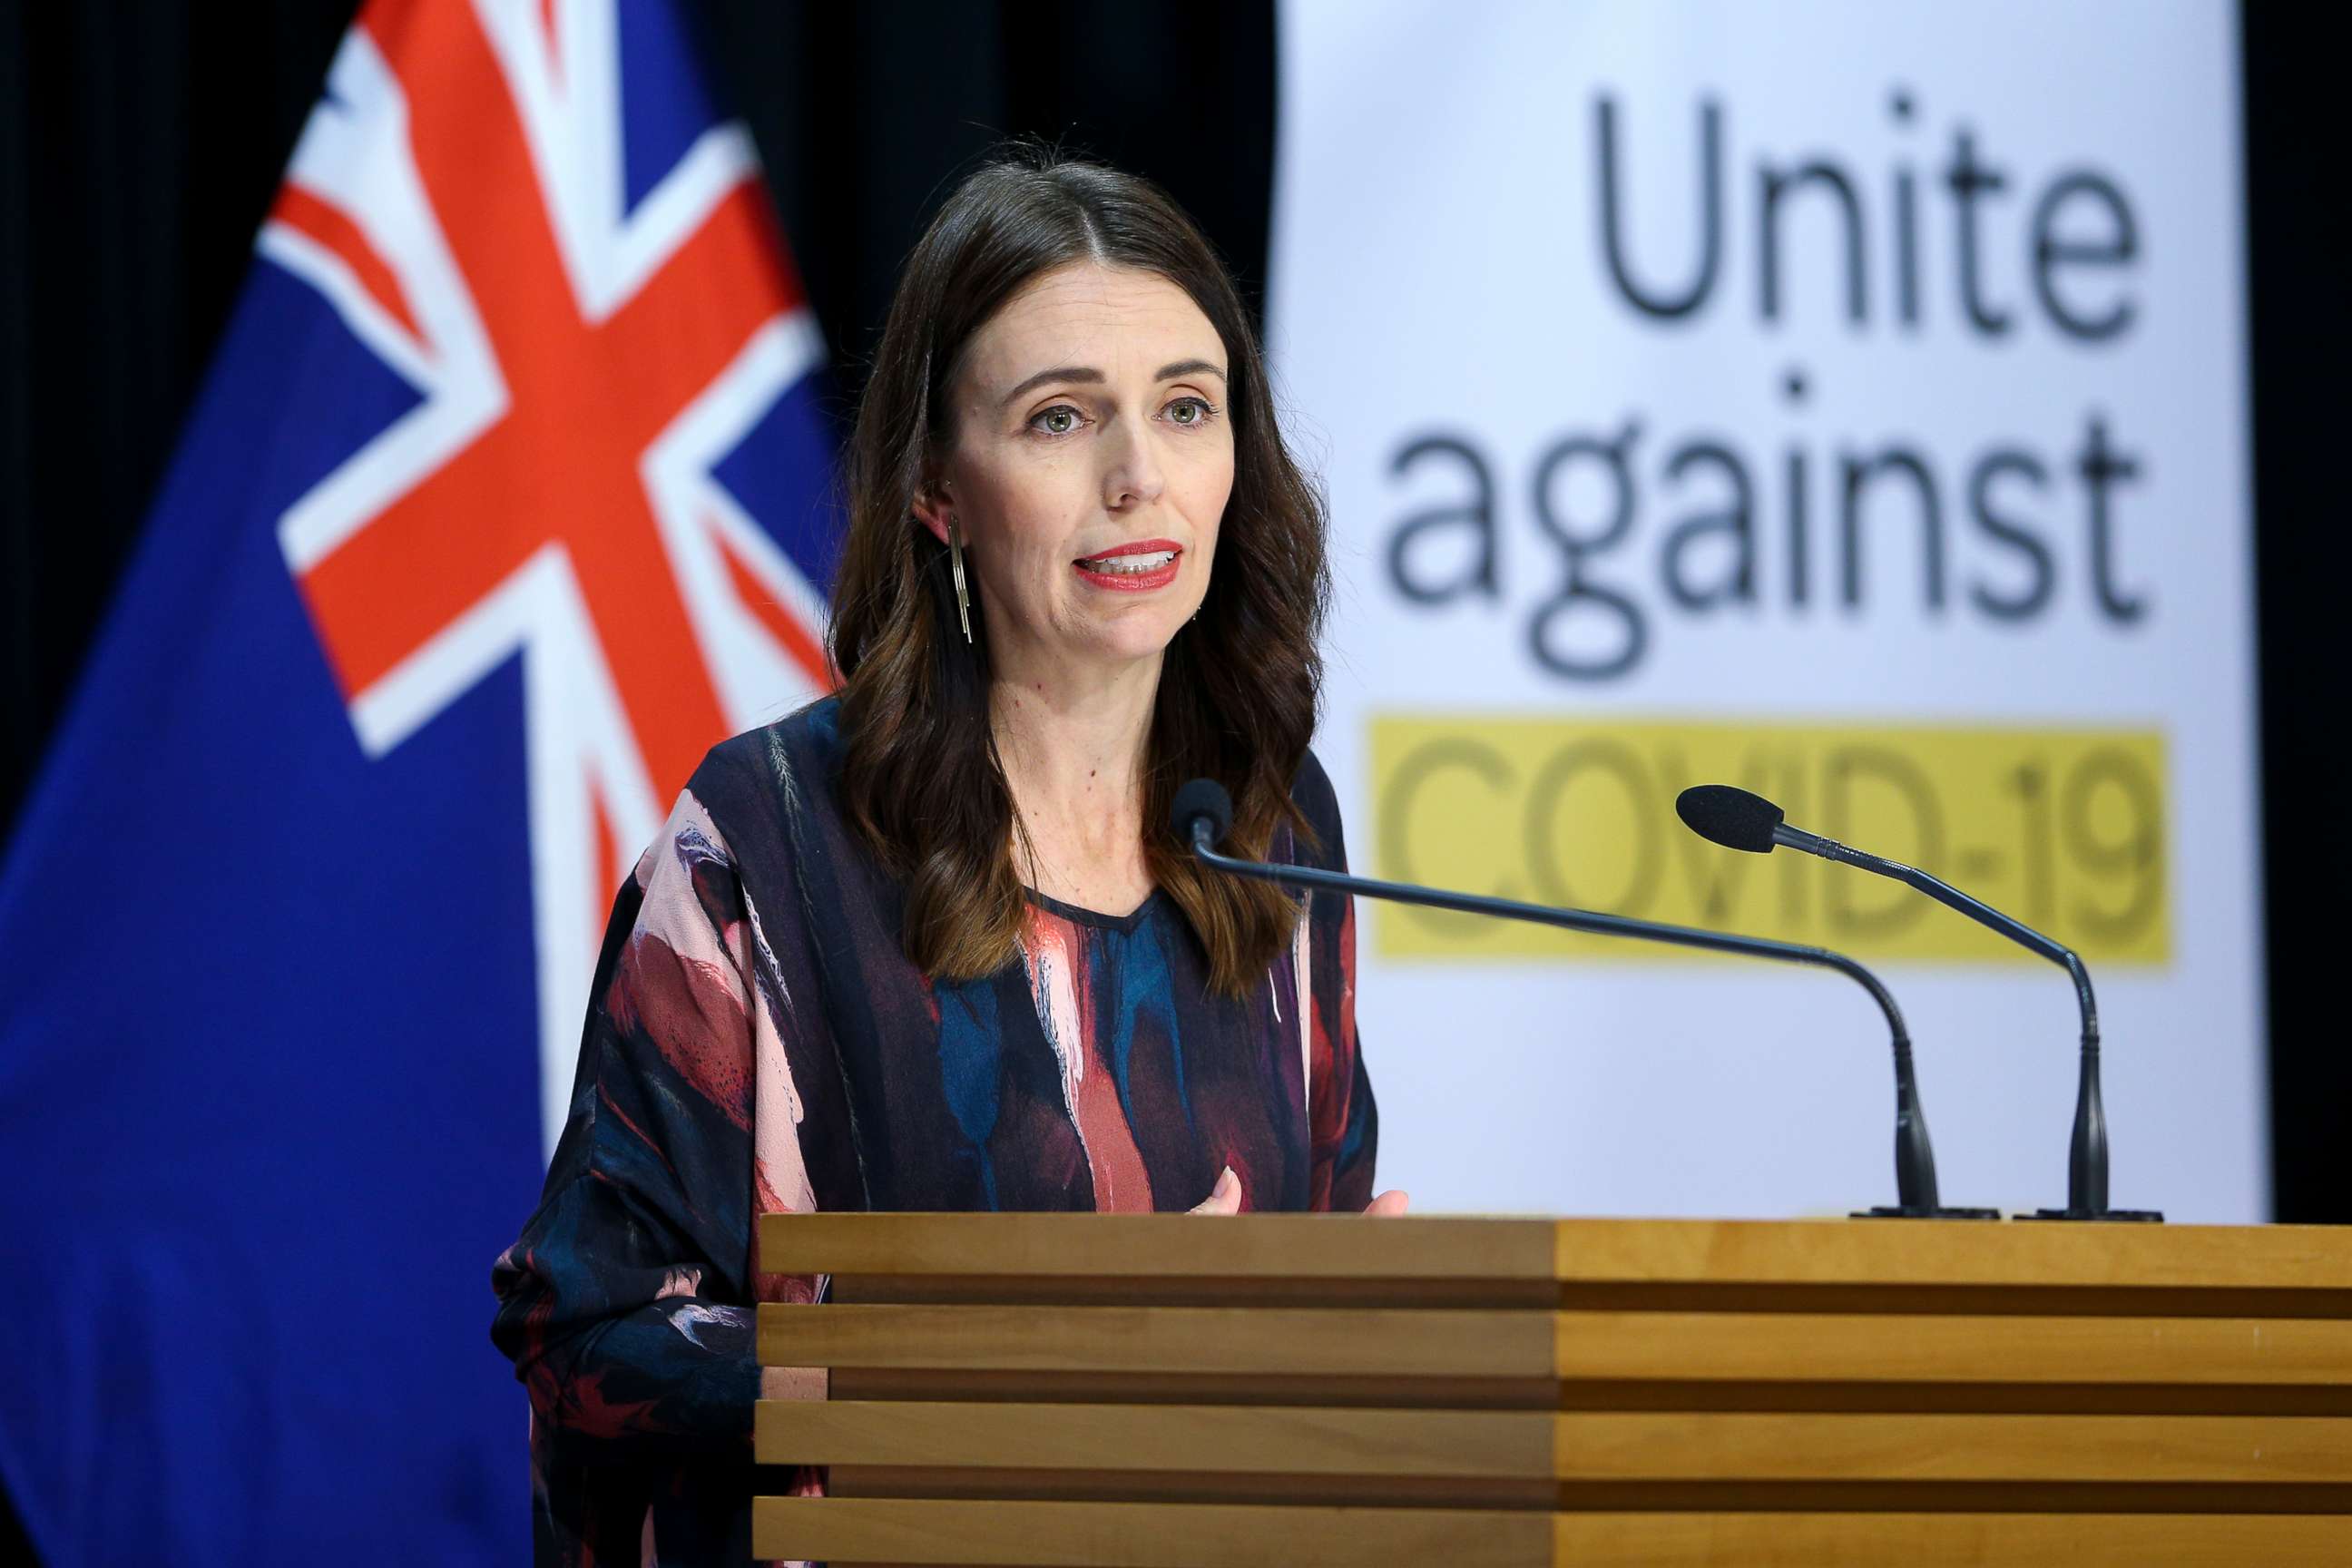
1298,1390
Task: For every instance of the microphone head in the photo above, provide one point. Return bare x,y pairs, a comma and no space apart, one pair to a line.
1199,798
1731,818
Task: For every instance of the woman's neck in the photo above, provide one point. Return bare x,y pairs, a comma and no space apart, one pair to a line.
1072,745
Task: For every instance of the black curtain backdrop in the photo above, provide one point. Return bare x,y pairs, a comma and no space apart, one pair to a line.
2302,343
141,144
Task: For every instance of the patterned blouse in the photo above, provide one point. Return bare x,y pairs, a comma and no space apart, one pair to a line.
758,1043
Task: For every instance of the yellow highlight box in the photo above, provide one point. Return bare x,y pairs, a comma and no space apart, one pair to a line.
2063,829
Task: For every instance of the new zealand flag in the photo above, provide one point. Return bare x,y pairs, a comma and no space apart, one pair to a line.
504,500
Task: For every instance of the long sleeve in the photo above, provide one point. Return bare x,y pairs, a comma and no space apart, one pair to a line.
628,1303
1345,1120
1342,1118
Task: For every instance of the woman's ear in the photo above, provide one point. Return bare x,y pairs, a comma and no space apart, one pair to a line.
933,509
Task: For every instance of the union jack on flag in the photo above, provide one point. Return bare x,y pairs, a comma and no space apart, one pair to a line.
503,500
587,353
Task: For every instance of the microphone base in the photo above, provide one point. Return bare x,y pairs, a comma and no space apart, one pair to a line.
1898,1212
2122,1216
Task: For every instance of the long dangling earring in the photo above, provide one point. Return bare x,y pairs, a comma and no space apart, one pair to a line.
955,559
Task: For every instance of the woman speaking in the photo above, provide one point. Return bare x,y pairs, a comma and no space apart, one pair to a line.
927,943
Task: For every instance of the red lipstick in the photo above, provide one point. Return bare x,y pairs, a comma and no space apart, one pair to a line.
1133,582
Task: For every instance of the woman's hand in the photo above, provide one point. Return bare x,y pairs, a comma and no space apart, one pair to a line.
1225,1198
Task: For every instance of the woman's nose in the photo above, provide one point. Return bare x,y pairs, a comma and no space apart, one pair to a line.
1133,477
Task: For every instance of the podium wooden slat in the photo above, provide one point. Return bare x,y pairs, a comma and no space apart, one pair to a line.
1142,1247
1579,1448
1143,1535
1175,1438
1675,1347
2302,1270
1148,1535
1165,1389
1390,1342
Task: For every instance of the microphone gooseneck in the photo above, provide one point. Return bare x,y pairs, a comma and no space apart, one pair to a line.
1738,819
1202,814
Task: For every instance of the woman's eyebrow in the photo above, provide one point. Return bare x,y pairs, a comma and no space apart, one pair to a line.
1058,372
1079,373
1189,367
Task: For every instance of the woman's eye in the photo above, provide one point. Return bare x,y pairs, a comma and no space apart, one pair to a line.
1191,411
1057,421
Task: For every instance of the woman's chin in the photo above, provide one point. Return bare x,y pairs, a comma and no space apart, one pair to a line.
1098,636
1132,639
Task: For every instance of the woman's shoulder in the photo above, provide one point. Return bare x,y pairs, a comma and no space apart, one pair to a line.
1318,801
791,761
1311,791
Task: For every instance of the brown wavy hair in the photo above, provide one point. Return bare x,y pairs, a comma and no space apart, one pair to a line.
1239,687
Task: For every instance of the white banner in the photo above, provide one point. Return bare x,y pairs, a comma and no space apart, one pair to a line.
1842,401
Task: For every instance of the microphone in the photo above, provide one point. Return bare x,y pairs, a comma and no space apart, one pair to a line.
1203,814
1739,820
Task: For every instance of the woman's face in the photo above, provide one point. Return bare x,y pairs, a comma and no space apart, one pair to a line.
1092,461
